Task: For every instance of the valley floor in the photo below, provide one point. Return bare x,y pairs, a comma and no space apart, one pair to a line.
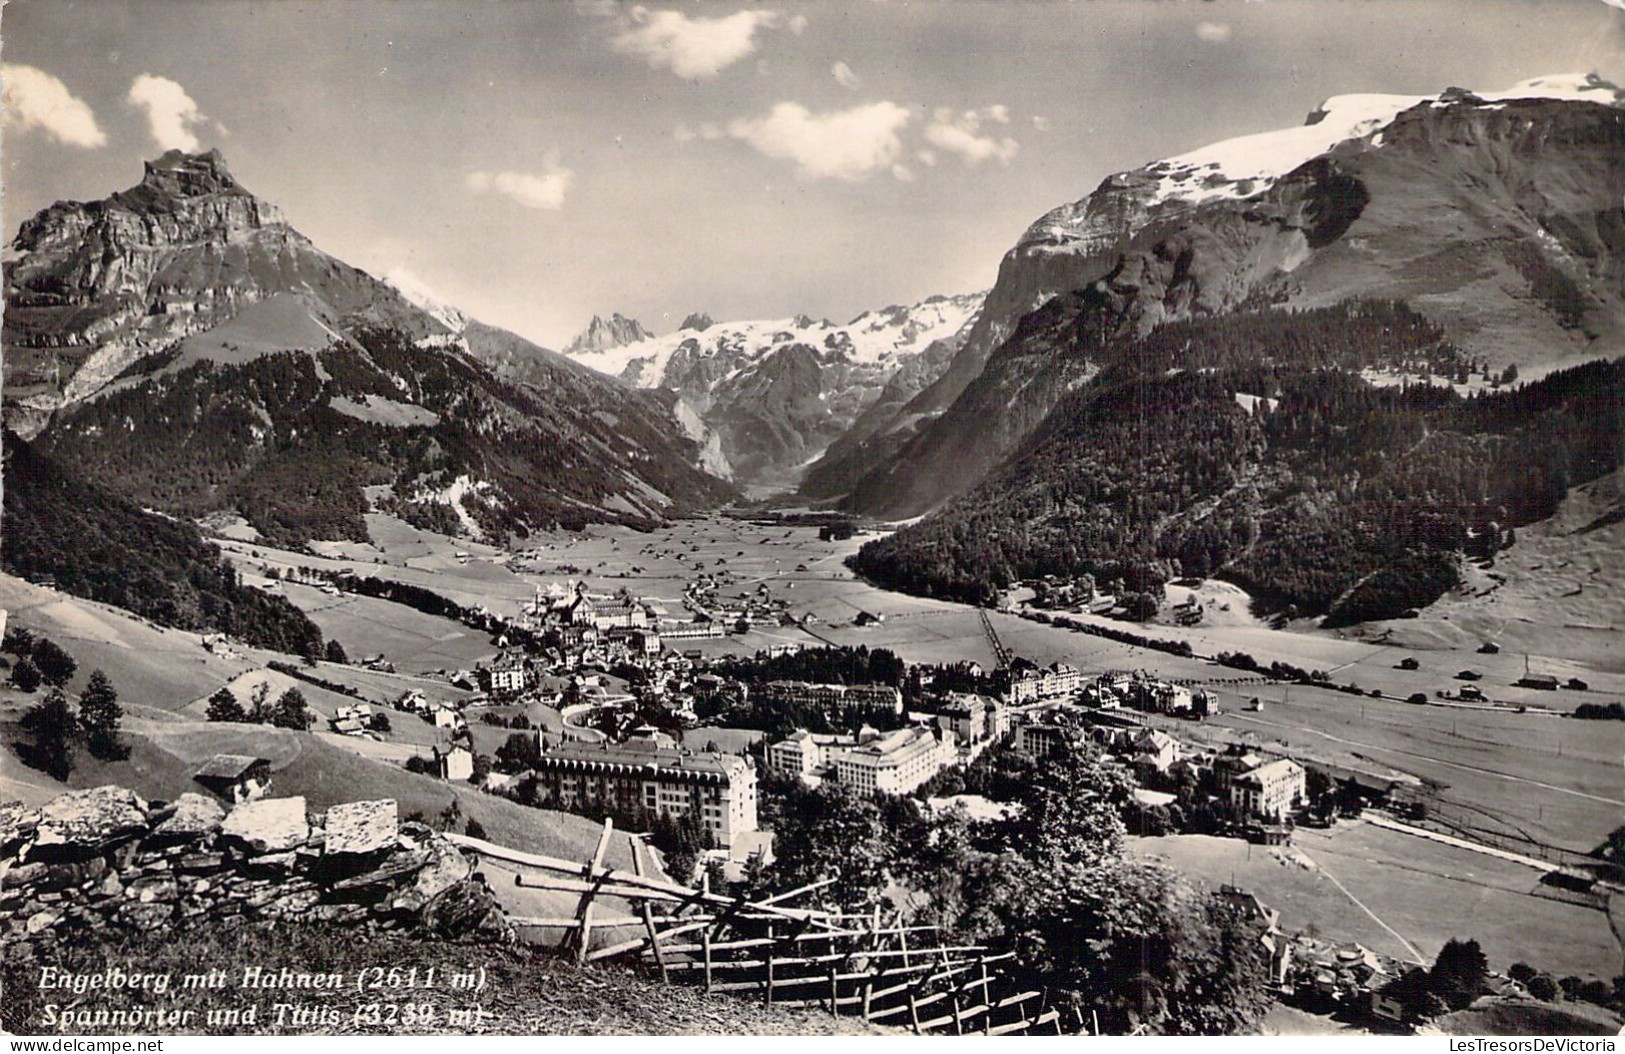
1536,777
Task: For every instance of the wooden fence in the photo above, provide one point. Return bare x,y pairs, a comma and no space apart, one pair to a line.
861,965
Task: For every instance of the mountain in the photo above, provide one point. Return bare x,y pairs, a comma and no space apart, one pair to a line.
180,344
97,545
1496,217
768,397
1250,448
602,336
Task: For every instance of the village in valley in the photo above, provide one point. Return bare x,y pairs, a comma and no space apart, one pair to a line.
668,681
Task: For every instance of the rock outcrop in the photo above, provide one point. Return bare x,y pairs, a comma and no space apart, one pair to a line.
601,335
187,315
91,861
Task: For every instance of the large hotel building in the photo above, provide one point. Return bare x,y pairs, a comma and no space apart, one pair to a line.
719,789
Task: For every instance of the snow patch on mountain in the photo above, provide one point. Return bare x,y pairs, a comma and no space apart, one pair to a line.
416,293
1244,166
883,338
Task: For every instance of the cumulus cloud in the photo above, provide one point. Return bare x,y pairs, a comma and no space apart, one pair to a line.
902,173
798,24
837,144
35,99
693,48
171,113
961,133
1213,32
845,77
543,190
1040,122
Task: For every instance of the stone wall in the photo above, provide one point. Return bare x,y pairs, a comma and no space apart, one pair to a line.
90,861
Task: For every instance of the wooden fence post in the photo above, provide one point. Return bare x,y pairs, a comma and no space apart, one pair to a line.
767,995
584,910
648,914
987,1001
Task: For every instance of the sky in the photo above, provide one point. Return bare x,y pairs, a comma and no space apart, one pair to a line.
536,163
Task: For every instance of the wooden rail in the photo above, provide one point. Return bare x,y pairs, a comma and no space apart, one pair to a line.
853,963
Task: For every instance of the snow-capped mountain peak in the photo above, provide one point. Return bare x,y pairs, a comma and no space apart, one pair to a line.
1241,167
812,377
602,336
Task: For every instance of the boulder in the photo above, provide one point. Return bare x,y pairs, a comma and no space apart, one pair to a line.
21,876
192,816
17,823
361,827
270,825
85,823
42,920
465,909
445,868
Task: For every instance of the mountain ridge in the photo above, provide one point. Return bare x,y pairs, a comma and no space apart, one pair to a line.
1498,215
767,397
265,376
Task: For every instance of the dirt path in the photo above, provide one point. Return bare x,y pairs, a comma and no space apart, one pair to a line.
1416,955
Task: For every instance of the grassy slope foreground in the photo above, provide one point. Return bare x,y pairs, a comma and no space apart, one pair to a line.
526,992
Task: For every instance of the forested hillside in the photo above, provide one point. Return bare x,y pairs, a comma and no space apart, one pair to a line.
290,440
102,547
1246,448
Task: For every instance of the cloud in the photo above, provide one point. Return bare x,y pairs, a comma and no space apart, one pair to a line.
902,173
928,158
1217,32
837,144
693,48
35,99
1040,122
845,77
798,24
171,113
960,133
534,191
708,131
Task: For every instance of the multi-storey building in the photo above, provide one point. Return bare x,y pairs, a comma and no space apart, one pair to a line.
896,762
893,762
973,719
837,698
717,789
1033,684
1270,791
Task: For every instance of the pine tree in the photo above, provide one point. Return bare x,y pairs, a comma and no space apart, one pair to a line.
55,665
53,728
223,706
99,717
25,676
336,654
292,712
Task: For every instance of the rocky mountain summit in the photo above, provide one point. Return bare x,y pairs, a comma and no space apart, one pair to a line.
601,335
92,286
1496,215
260,375
767,397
